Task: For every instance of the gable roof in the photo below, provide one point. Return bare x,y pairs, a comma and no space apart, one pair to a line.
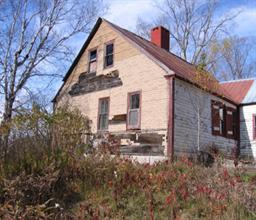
182,69
167,60
243,90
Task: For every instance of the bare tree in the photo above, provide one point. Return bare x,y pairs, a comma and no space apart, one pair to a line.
34,36
236,58
193,26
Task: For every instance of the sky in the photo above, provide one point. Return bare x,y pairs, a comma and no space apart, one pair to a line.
125,13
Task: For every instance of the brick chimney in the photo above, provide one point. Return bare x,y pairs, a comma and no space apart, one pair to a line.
161,37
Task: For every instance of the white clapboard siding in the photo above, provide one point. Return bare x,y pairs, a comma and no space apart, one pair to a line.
187,98
248,145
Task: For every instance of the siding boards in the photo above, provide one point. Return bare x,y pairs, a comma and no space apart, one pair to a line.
188,99
137,72
247,144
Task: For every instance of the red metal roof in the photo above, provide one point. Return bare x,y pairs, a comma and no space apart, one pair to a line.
181,68
238,89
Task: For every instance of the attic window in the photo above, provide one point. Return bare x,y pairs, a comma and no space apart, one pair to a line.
109,55
92,61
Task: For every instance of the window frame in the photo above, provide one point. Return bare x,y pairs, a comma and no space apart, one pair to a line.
231,123
223,122
215,124
224,125
105,54
254,126
138,126
89,59
99,114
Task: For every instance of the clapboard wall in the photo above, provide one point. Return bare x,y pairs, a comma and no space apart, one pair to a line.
188,99
247,144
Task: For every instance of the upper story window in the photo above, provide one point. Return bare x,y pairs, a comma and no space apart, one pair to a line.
103,114
109,55
254,126
134,110
92,61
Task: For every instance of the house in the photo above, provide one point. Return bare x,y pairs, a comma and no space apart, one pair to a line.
155,103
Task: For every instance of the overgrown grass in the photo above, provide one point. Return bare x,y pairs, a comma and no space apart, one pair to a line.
64,185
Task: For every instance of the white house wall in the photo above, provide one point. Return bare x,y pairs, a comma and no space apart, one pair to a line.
247,144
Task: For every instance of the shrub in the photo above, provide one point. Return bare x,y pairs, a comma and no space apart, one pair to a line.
103,187
38,131
47,176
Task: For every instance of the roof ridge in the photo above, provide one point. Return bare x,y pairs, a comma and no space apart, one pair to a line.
159,48
165,59
168,51
188,68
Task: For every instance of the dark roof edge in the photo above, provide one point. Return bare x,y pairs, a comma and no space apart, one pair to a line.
86,43
249,103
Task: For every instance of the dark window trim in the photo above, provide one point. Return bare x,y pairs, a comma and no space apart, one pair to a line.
253,127
98,117
89,58
225,132
231,114
105,50
128,107
224,125
215,105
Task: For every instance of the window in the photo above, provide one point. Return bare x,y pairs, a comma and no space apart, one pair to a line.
109,55
92,61
234,120
224,120
134,105
231,122
218,118
254,126
103,114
